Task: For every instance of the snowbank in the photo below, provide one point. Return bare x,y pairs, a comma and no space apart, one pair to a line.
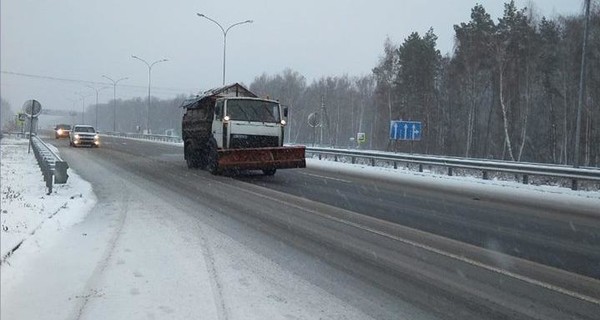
550,197
26,209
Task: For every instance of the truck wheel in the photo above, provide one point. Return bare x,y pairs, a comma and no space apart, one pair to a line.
212,161
191,157
269,172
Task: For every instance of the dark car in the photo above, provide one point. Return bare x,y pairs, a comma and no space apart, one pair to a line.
62,131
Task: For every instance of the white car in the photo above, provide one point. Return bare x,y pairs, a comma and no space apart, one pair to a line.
84,135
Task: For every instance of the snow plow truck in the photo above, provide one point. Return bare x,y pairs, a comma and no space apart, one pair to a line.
230,128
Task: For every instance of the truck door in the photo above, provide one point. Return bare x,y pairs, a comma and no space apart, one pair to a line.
217,124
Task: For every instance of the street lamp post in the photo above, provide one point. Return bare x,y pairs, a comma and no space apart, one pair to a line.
224,36
97,93
82,96
149,65
114,100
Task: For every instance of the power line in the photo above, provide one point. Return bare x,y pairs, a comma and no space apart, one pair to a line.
77,81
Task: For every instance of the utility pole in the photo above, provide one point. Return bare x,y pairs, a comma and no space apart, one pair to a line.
581,85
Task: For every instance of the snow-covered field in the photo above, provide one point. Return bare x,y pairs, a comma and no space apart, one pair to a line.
28,214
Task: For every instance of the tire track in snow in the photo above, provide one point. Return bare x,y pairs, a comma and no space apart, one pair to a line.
215,282
89,290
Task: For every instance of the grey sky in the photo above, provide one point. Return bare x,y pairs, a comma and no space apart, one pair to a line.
84,39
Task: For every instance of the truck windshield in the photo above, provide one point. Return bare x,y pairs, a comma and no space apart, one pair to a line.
253,110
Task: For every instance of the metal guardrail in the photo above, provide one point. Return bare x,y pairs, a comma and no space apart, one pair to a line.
152,137
53,167
485,166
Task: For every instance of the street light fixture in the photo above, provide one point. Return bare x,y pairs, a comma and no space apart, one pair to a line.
149,65
97,92
114,100
224,36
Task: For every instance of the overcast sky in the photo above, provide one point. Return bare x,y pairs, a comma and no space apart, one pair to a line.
85,39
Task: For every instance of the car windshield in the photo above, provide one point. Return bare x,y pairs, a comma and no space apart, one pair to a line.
253,110
63,127
84,129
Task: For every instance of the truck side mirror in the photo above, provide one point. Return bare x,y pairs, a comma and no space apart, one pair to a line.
285,112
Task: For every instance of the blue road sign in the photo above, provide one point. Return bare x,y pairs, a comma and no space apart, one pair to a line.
405,130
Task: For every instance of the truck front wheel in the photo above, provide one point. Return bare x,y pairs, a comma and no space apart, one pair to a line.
212,161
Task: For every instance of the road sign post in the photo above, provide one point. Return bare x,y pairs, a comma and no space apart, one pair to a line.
32,109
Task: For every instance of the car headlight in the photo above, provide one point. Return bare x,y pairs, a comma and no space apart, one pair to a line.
96,137
76,136
59,131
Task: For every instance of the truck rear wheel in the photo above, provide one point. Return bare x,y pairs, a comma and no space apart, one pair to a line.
269,172
191,156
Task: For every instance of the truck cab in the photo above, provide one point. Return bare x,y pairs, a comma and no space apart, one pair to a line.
222,130
248,123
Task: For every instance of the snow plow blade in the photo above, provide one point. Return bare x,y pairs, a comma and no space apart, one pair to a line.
263,158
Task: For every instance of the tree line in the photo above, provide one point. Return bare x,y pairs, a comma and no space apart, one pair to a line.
509,90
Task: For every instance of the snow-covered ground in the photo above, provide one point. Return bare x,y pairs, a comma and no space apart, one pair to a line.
27,211
543,196
145,254
142,252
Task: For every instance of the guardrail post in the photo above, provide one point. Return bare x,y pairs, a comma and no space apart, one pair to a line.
485,175
372,162
319,156
450,171
395,165
335,158
60,172
420,167
525,179
574,185
353,160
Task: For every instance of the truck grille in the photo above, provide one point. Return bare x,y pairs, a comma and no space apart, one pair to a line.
242,141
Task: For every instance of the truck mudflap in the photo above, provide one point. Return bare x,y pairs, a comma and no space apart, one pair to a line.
262,158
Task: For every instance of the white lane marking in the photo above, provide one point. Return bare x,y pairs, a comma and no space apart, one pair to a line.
434,250
324,177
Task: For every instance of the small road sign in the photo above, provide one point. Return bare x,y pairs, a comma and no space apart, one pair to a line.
405,130
32,108
361,137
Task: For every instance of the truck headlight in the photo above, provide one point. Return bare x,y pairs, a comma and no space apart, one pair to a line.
76,136
283,122
96,137
226,118
59,131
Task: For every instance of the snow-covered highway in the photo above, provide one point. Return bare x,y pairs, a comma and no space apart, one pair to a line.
166,242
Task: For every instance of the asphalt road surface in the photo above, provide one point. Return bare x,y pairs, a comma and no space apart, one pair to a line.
476,259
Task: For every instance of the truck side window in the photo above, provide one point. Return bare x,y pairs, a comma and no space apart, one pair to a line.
219,110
